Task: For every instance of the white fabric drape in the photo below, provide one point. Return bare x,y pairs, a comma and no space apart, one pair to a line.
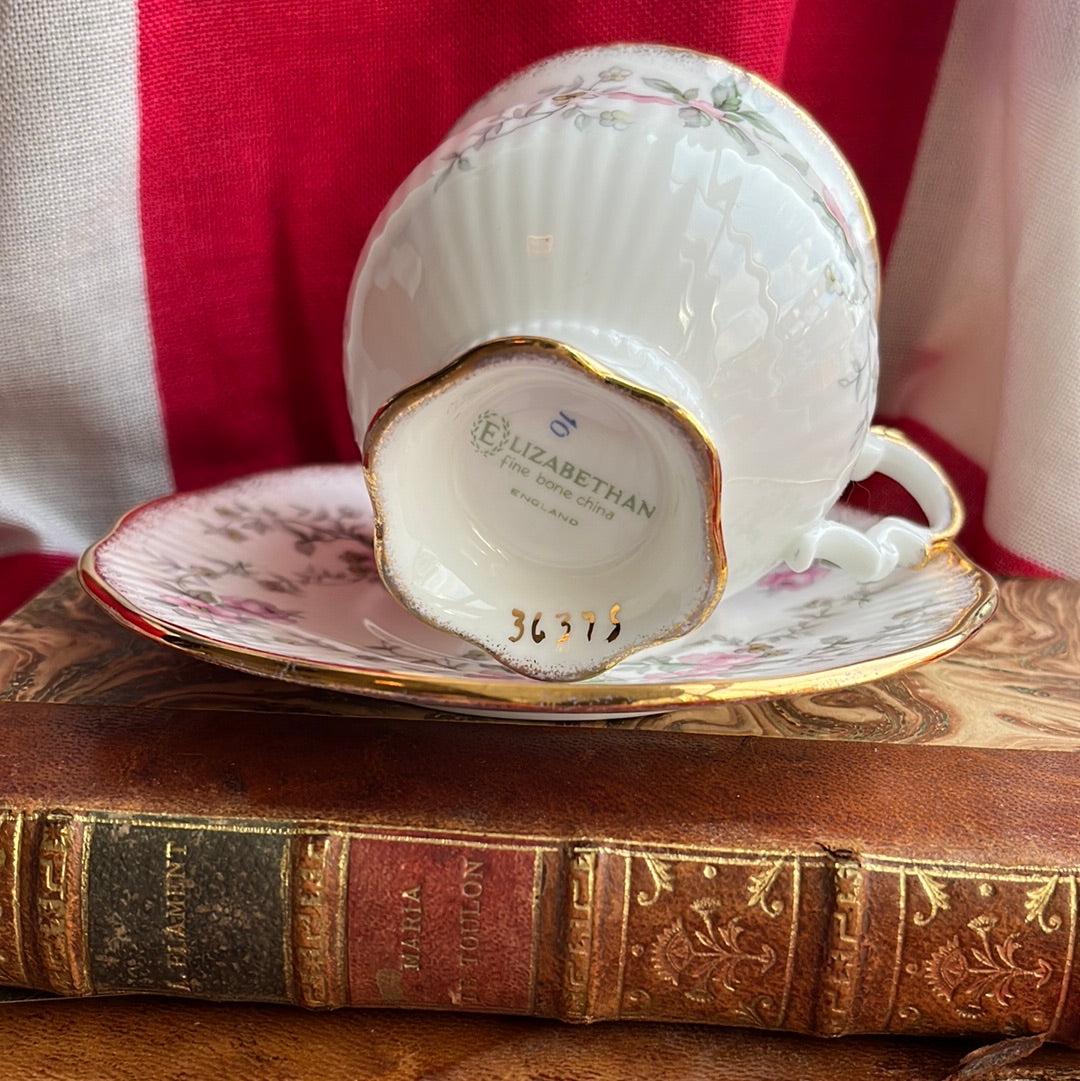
981,313
81,435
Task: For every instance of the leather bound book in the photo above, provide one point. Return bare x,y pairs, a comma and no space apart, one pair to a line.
828,888
1014,686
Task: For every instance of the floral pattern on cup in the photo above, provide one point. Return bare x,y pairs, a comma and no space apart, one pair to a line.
595,100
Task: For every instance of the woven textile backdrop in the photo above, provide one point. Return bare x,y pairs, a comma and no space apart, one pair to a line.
185,187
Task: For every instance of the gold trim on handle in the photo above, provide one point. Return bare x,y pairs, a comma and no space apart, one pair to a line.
951,529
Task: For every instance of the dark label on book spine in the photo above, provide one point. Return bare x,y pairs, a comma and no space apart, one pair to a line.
443,923
189,909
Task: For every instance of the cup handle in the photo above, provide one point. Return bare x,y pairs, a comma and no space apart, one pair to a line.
892,542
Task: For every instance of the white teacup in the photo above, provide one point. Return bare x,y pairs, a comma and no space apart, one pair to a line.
612,354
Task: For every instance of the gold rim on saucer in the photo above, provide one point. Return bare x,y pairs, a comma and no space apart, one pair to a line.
108,568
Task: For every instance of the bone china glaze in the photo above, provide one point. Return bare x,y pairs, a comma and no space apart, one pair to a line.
612,353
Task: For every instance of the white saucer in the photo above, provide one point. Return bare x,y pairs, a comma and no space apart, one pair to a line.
274,574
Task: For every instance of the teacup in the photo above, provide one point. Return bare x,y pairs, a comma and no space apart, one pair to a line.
612,354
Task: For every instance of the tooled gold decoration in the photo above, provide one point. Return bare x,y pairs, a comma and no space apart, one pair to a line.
661,876
972,977
715,951
1038,899
707,960
935,894
758,888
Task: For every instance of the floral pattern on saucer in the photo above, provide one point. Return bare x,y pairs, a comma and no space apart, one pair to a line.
275,574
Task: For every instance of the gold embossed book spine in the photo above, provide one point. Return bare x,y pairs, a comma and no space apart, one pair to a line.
580,874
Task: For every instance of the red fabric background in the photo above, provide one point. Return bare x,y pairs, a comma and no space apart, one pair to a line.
23,575
274,133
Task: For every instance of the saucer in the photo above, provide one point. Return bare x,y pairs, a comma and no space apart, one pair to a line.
274,575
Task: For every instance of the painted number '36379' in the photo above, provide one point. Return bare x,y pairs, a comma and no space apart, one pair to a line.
565,623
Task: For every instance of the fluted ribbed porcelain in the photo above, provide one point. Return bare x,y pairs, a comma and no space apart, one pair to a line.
611,354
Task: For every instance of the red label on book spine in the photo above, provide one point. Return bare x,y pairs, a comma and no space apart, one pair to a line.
442,923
